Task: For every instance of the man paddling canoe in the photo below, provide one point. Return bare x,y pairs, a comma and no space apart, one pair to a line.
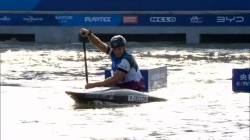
125,72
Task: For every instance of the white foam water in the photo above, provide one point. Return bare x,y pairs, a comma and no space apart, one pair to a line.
201,104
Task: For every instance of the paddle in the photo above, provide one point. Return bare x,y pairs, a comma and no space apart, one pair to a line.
85,58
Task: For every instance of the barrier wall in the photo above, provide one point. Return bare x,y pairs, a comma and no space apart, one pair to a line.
124,20
129,5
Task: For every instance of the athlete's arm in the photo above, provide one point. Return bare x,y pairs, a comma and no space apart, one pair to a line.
95,40
111,81
118,76
98,43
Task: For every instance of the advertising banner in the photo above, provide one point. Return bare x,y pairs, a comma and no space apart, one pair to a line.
60,20
89,19
123,20
28,20
188,20
241,80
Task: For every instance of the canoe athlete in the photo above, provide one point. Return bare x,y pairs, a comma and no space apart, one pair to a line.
125,72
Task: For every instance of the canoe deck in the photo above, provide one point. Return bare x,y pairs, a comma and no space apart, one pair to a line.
119,96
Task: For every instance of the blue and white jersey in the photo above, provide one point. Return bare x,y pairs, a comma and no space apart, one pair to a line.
126,64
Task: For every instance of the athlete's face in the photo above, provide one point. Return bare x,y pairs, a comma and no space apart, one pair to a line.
119,51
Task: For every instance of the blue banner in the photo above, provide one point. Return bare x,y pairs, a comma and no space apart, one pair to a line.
28,20
241,80
59,20
123,20
193,20
89,20
129,5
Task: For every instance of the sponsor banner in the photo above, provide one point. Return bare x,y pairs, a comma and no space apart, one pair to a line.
5,19
130,5
123,20
88,19
102,20
241,79
193,20
28,20
60,19
130,19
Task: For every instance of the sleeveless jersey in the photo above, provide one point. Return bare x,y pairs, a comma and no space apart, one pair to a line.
127,64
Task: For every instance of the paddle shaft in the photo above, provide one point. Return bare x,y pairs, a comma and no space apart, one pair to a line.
85,59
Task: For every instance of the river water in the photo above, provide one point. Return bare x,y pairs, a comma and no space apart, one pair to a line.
201,103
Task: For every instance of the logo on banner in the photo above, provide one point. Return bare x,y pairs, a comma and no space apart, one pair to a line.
97,19
243,83
244,77
244,80
5,18
31,19
130,19
196,19
230,19
162,19
64,18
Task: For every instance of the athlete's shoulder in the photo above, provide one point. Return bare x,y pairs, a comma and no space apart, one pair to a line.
129,57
